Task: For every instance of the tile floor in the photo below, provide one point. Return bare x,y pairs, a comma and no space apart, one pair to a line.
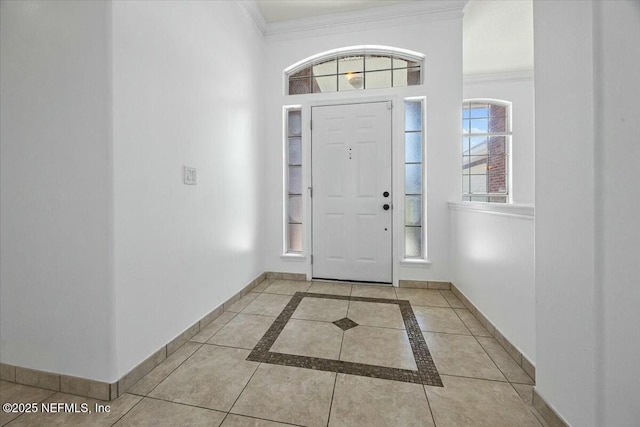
210,382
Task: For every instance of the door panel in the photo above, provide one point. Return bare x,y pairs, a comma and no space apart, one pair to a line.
351,169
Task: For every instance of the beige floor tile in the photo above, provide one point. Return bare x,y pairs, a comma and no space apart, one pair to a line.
162,371
461,355
309,338
244,302
439,319
472,323
478,403
117,408
287,287
506,364
330,288
427,297
152,412
213,377
287,394
373,291
267,305
18,393
241,421
243,331
525,391
376,314
452,299
362,401
378,346
210,330
321,309
263,285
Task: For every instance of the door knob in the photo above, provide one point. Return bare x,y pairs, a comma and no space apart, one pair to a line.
385,194
385,207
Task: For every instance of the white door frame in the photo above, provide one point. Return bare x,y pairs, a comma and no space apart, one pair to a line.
397,159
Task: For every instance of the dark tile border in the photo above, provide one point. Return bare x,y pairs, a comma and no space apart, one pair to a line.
426,373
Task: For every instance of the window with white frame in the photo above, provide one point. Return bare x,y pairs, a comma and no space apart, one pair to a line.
486,141
413,182
293,180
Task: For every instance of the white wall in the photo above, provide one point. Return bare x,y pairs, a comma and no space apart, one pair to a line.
587,132
565,203
440,41
492,247
56,300
516,88
492,253
617,206
186,91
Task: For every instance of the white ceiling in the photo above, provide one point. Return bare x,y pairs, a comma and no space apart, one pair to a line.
283,10
497,34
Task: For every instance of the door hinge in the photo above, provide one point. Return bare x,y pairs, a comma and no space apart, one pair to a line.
311,258
310,191
389,105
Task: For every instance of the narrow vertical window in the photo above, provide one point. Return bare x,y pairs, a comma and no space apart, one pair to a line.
413,173
486,138
293,193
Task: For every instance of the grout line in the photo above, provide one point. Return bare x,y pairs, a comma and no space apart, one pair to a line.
130,409
485,350
53,393
462,321
426,395
491,358
226,346
242,391
185,404
530,406
333,392
168,375
475,378
342,341
262,419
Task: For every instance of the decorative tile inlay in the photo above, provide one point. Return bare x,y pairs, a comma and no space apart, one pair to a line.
426,373
345,323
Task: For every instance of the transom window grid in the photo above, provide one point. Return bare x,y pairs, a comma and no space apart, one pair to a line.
351,72
293,201
486,129
413,173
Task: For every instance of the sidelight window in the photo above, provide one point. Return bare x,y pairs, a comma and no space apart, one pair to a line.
293,180
413,174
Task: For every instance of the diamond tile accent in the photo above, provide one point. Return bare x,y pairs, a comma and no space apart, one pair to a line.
345,323
425,374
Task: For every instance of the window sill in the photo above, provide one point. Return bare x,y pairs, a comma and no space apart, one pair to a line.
410,262
508,209
293,257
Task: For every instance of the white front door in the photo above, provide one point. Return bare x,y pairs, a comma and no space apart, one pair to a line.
351,199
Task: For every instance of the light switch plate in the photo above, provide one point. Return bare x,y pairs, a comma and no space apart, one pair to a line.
190,176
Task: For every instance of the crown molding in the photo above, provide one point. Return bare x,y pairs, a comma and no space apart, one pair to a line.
512,76
405,13
251,8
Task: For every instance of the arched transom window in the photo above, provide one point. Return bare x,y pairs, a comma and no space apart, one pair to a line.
356,68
